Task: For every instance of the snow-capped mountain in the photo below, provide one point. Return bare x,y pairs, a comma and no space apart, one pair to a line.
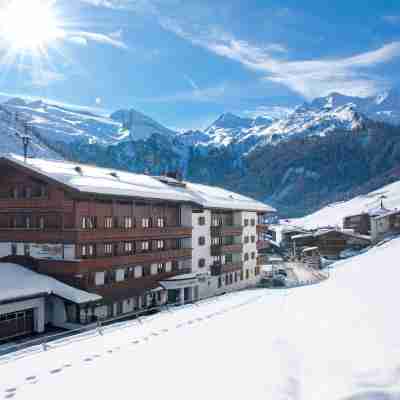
60,124
383,107
139,126
317,118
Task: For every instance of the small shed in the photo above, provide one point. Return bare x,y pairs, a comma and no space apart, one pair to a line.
385,224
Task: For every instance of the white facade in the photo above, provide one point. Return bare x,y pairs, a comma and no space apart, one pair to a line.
201,222
213,285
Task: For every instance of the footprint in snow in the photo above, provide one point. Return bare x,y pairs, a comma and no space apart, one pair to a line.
56,371
9,395
87,359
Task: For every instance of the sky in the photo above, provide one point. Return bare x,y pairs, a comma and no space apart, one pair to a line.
184,62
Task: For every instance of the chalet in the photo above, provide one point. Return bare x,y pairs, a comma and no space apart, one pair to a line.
136,241
107,232
330,242
361,223
385,224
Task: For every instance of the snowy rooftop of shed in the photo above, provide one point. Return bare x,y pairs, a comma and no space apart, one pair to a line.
17,282
92,179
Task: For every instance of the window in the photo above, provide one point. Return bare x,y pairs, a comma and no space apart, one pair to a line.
84,250
257,271
253,255
246,239
247,274
241,275
160,244
145,246
28,192
91,250
43,191
27,222
202,220
27,250
145,222
99,278
202,263
253,239
108,222
160,222
216,221
236,276
253,222
41,223
246,256
108,249
128,247
160,268
219,281
88,222
216,241
128,223
202,241
246,222
13,249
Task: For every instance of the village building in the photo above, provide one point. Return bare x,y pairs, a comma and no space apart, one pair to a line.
384,225
228,237
138,242
112,233
330,242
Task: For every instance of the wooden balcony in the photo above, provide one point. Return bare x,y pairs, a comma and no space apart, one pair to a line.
93,236
226,230
118,234
217,250
82,266
263,244
138,258
42,204
219,269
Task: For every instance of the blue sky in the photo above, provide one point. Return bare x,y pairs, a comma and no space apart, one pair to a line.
184,62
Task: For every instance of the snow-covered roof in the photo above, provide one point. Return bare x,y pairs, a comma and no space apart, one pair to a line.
218,198
18,282
321,232
93,179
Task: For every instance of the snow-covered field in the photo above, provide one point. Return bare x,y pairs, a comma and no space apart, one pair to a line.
336,340
333,214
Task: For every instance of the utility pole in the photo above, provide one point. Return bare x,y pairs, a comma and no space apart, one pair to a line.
25,141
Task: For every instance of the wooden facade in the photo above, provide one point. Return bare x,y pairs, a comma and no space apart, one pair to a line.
106,234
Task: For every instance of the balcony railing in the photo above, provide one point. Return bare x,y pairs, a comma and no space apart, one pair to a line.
219,269
138,258
51,235
217,250
226,230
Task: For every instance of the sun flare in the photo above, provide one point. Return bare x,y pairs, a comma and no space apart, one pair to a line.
28,25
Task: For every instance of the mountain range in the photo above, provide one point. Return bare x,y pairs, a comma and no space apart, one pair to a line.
297,162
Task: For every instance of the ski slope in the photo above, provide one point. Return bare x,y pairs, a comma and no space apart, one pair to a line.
333,214
336,340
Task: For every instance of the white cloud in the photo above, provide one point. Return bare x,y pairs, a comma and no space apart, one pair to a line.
83,38
310,78
43,77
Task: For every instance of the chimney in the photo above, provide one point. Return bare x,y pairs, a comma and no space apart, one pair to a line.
177,174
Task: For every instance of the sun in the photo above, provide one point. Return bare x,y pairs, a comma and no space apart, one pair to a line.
28,25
